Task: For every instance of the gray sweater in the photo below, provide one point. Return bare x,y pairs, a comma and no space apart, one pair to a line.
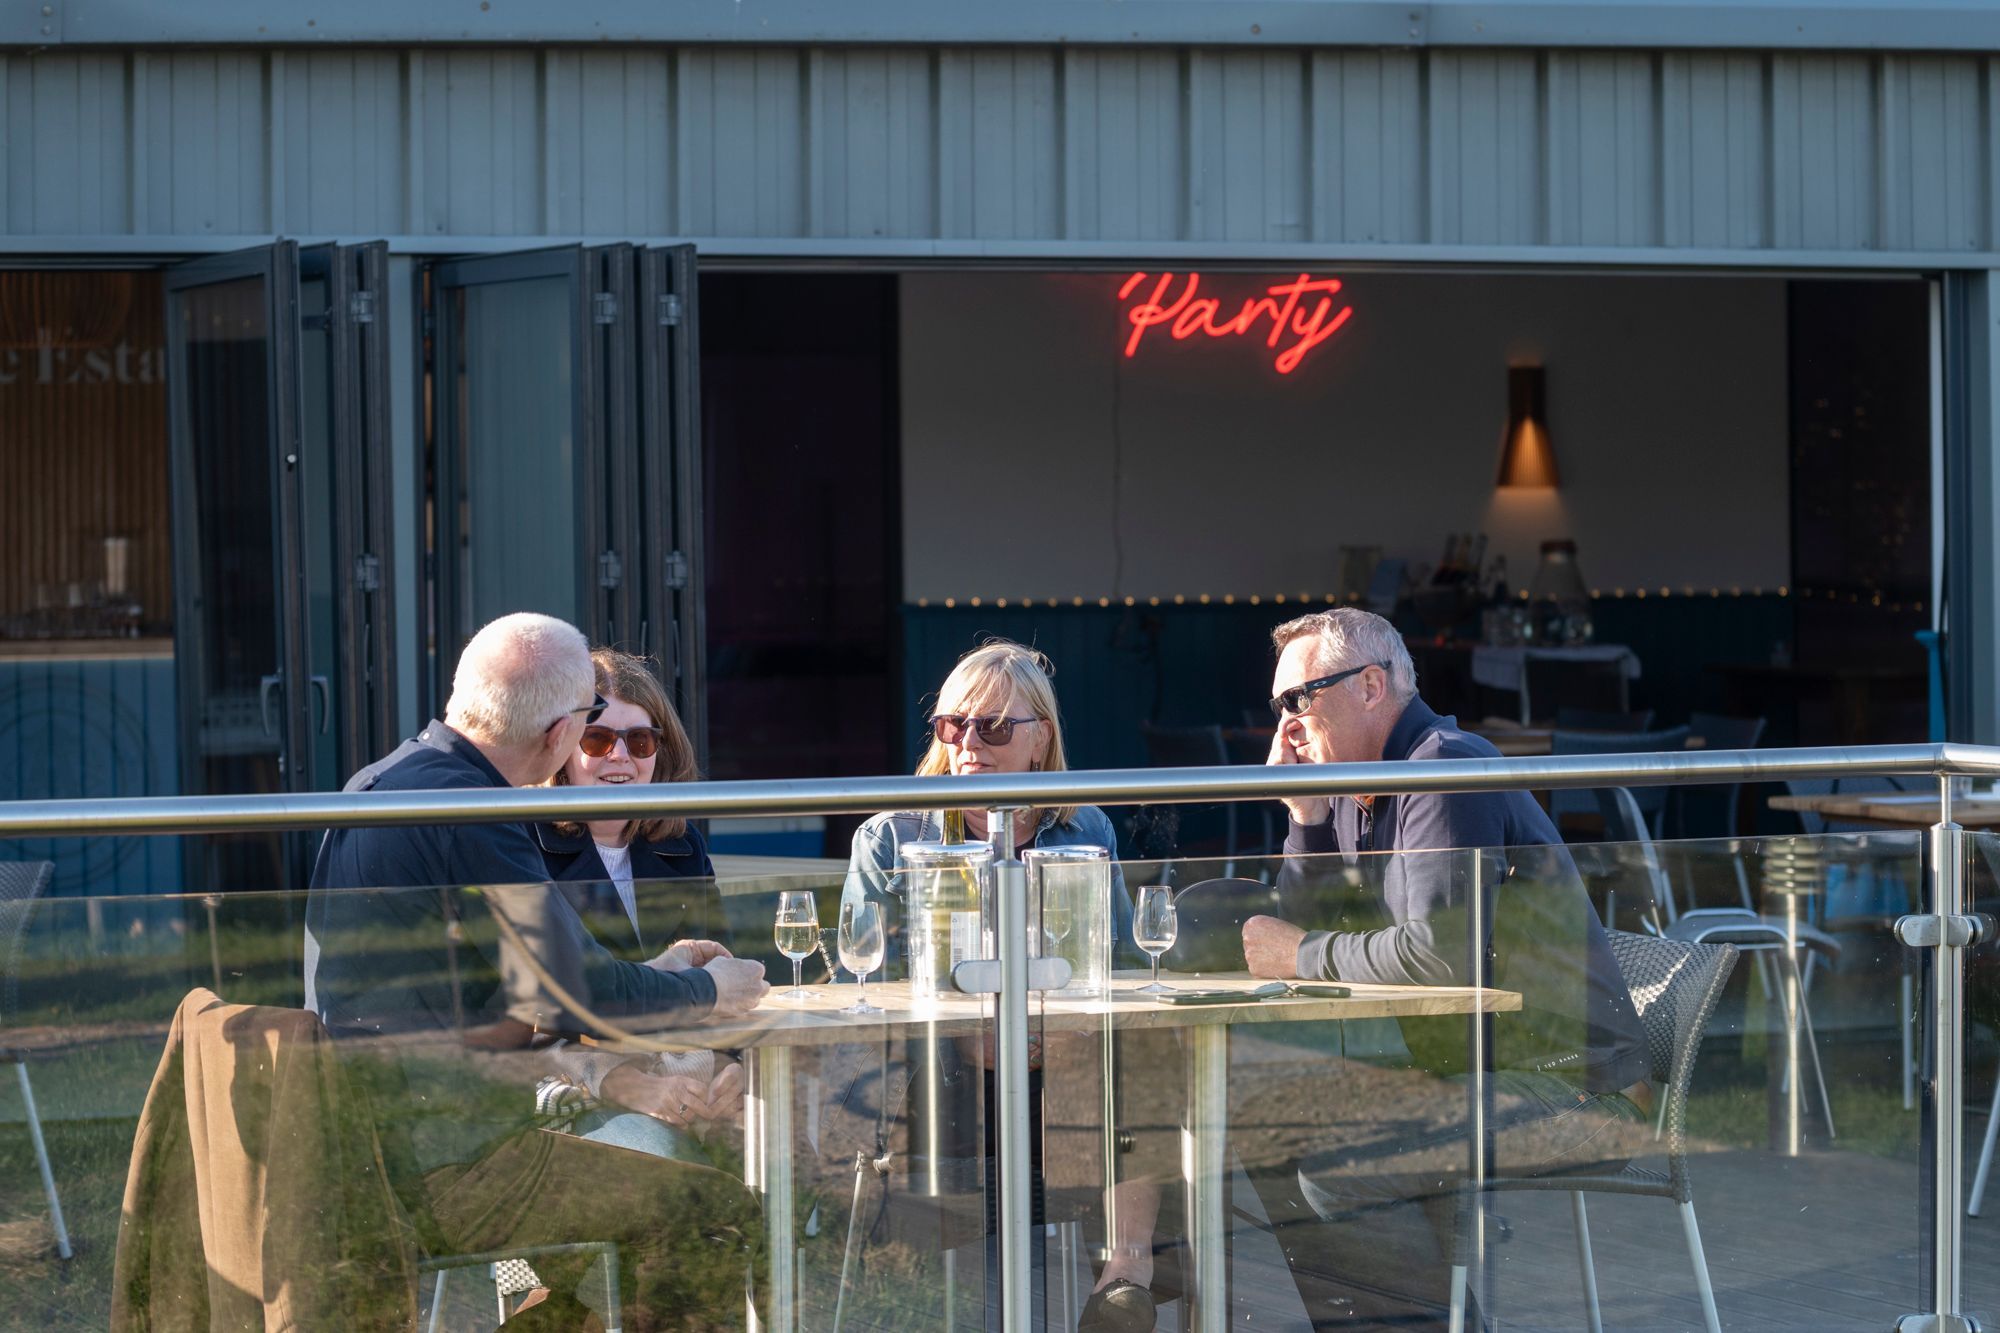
1394,880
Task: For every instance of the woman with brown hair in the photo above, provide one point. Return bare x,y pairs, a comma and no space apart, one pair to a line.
660,1105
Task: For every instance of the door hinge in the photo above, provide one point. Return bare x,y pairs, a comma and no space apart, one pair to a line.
610,569
676,569
604,308
361,307
368,573
670,309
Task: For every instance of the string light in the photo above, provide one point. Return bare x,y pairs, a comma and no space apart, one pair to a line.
1871,597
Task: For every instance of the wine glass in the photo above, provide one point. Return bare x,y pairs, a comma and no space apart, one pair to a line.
861,947
1057,919
797,935
1154,928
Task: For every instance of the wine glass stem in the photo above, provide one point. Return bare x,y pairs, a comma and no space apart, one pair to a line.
798,979
862,977
1156,969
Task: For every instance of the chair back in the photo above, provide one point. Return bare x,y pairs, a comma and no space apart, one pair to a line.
21,883
1251,746
1198,829
1553,681
1674,987
1710,812
1598,719
1625,825
1652,800
1210,916
1184,747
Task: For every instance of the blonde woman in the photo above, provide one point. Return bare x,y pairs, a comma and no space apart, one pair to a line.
996,713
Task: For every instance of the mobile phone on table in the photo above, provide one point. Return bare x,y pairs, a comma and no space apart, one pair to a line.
1209,997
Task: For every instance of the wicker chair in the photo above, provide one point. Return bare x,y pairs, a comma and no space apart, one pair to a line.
1675,985
21,883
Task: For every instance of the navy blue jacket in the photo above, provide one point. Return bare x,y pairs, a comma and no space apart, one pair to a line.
687,908
1404,917
371,957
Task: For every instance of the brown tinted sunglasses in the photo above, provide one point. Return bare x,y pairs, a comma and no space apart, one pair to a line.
640,742
951,727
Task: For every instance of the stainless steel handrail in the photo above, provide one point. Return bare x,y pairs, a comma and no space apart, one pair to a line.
1000,794
810,796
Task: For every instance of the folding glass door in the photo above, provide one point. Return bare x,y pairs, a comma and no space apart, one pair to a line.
564,442
273,362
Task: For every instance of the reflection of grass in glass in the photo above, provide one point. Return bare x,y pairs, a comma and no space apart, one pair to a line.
91,1156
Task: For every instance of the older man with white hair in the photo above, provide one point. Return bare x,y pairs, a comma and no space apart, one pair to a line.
387,922
1382,889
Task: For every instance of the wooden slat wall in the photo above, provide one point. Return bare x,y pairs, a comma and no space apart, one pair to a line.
83,442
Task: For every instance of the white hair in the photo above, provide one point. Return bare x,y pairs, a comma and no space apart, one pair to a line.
519,674
1347,637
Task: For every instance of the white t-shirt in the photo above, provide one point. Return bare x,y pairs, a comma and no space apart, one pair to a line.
618,864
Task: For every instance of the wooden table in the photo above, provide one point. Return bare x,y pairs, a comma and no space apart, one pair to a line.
1898,810
769,1037
1514,741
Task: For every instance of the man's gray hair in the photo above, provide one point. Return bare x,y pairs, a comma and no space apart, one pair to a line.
517,675
1351,637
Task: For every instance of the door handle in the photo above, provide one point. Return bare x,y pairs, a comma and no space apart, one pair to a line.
324,694
264,688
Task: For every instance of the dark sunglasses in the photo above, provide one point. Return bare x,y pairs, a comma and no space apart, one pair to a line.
640,742
951,727
1294,701
592,710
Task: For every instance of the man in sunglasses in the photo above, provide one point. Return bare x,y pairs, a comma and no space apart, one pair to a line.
1381,889
451,932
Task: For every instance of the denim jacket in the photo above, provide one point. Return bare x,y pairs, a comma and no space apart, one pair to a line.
871,868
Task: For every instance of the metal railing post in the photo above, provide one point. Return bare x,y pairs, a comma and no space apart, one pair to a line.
1947,931
1010,929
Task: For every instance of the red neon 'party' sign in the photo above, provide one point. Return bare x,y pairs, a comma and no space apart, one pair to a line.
1283,304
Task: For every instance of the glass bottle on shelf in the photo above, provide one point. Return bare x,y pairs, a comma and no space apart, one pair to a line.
1559,597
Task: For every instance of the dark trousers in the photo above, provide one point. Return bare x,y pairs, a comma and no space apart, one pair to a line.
689,1237
1370,1219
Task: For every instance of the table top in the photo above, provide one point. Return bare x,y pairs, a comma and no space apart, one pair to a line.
1895,809
819,1022
1515,741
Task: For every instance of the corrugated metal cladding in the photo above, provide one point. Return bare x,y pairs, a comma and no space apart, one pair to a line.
746,146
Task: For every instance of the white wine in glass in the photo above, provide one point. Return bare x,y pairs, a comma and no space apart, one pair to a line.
1155,926
1057,920
796,933
861,948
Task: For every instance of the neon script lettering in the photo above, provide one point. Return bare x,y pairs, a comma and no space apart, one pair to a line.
1291,315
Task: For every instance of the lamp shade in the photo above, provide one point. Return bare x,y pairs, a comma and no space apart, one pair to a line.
1527,458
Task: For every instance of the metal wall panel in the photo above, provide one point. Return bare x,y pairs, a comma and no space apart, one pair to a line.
1012,150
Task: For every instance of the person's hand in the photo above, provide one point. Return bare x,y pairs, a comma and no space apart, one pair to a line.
677,1099
1272,947
1302,809
739,985
684,954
